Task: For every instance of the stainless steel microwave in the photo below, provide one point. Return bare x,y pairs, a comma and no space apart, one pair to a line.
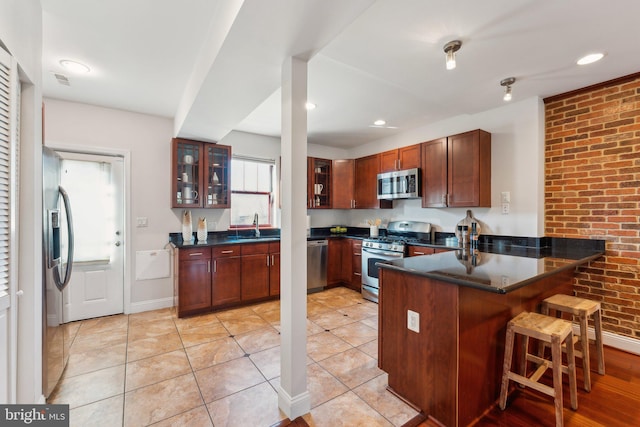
404,184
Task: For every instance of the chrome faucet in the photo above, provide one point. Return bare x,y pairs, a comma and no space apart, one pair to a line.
255,222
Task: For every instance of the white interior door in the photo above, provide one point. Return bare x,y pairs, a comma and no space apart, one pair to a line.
95,185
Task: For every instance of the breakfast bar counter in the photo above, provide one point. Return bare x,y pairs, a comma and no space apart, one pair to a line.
449,366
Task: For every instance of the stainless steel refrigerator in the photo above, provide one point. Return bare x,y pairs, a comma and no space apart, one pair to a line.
57,237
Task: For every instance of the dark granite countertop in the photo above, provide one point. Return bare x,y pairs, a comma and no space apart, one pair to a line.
218,238
499,268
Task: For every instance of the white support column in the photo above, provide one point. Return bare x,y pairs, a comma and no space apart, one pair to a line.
293,397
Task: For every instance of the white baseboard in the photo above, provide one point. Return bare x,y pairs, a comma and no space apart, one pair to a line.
155,304
294,407
621,342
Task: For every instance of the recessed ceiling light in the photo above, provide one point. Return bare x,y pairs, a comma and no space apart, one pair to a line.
74,66
379,122
591,58
310,106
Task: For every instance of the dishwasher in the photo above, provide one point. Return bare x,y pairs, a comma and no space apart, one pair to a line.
316,265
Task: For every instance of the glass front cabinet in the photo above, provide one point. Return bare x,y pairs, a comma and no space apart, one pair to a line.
319,183
200,174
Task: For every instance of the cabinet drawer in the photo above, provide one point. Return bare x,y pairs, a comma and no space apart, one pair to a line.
194,254
274,247
226,251
420,250
255,248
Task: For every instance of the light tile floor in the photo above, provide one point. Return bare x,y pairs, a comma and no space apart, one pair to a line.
222,369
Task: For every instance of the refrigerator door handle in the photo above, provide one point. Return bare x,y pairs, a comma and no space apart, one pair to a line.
61,284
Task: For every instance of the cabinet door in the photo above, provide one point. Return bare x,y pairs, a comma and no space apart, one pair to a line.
419,250
226,280
186,173
356,259
274,274
216,177
194,285
319,183
334,261
469,169
255,276
434,173
366,183
410,157
342,178
389,161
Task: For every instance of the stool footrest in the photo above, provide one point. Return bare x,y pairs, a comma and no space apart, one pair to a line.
542,388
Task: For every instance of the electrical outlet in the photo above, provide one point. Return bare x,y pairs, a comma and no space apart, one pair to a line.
505,209
142,221
413,321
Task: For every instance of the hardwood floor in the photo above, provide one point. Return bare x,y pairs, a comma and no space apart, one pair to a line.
614,400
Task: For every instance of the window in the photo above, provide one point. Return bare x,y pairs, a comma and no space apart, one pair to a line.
91,191
251,191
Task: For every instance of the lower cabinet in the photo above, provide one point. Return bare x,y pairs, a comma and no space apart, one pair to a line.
339,262
194,280
227,267
255,271
216,277
414,250
356,265
274,269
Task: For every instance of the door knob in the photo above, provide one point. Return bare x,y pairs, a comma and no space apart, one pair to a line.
118,233
118,243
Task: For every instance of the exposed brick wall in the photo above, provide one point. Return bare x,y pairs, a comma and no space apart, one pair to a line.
592,190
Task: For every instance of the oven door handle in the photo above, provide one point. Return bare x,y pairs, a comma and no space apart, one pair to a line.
385,253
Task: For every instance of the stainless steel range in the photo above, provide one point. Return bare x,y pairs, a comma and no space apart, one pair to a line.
388,248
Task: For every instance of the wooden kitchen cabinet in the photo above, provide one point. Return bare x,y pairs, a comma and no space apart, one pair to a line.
366,183
274,269
227,268
401,158
356,265
343,184
194,278
255,271
413,250
319,183
200,174
456,171
339,262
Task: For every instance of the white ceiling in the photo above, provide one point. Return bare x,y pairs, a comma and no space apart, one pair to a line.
214,65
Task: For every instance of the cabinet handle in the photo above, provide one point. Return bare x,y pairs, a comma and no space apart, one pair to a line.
227,252
448,199
196,254
215,266
357,274
272,260
418,253
357,254
267,260
209,266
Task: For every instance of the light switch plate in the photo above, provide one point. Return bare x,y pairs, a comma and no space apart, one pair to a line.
413,321
506,197
142,221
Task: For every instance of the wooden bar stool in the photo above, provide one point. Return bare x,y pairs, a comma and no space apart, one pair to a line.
550,330
581,308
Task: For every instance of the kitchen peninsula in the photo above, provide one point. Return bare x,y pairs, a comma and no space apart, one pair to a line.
448,365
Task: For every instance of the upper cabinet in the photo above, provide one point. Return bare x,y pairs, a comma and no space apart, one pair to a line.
200,174
456,171
343,184
319,190
401,158
366,182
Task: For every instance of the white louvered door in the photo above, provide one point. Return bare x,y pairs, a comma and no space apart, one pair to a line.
9,128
